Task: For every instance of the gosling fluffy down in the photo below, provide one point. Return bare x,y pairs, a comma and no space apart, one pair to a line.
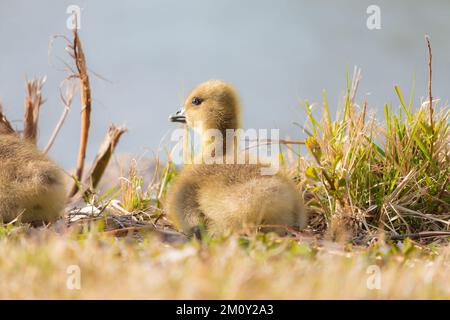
227,197
32,187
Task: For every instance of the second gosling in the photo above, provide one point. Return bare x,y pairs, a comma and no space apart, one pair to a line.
32,188
226,197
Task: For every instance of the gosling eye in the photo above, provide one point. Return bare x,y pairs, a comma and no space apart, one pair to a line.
196,101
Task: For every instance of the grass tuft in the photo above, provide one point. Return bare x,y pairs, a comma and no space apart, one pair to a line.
380,176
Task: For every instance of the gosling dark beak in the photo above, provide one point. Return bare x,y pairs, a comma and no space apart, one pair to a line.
178,117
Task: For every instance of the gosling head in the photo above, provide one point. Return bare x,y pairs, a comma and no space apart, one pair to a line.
213,104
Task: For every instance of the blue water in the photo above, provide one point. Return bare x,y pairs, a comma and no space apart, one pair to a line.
277,53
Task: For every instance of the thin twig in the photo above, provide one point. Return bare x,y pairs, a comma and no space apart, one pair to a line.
266,142
430,73
126,230
421,235
67,101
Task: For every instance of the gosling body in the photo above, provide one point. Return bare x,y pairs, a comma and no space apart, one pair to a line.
32,188
227,197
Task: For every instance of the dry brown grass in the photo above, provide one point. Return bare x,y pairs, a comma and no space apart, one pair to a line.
33,102
259,267
85,90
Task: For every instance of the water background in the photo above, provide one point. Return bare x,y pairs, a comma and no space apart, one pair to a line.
277,53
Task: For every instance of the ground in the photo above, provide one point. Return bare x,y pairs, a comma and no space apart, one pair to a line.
93,264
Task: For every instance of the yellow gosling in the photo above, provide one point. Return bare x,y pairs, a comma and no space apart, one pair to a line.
32,188
227,196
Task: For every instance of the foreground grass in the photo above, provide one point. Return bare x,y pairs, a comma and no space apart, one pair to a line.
35,264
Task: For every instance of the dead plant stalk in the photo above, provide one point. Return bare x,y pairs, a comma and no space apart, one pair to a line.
33,102
85,93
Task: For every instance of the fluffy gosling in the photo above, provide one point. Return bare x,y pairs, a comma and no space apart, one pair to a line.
226,197
32,188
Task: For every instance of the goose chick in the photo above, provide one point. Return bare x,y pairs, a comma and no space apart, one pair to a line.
227,196
32,188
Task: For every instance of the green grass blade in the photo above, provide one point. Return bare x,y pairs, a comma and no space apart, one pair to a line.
402,101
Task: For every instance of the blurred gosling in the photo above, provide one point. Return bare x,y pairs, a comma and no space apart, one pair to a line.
32,188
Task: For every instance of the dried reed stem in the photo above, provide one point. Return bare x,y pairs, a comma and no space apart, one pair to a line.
363,114
85,89
430,73
104,154
33,102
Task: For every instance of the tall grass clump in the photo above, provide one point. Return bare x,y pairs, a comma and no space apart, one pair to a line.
367,176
